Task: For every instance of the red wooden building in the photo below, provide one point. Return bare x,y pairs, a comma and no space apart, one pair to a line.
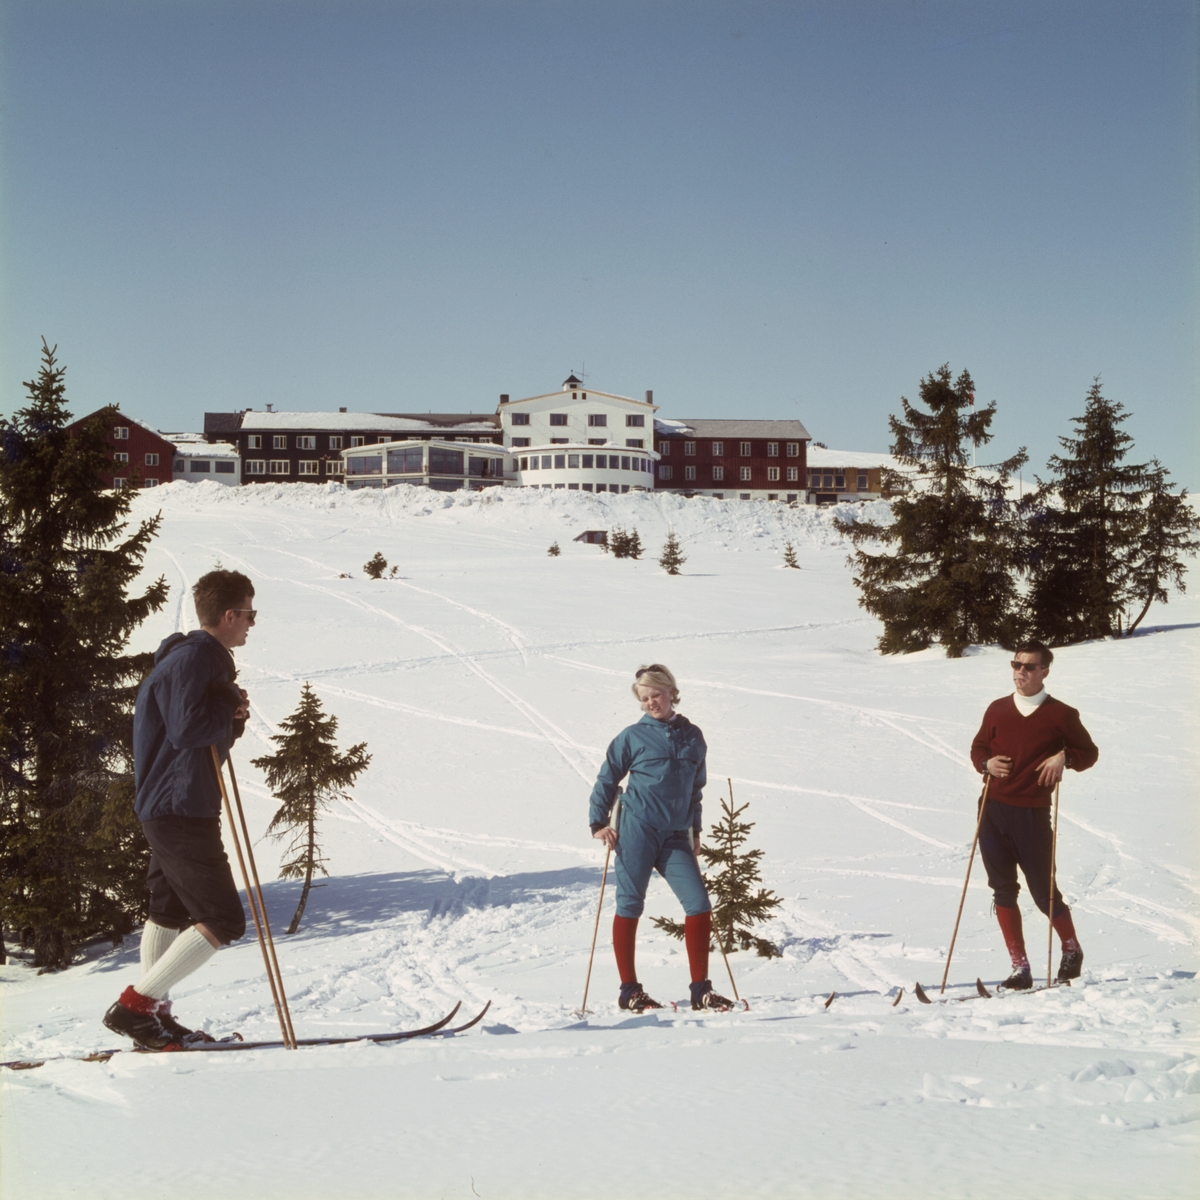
140,456
733,460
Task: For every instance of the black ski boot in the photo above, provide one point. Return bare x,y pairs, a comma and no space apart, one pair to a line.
180,1033
1021,980
1071,965
703,997
634,998
136,1016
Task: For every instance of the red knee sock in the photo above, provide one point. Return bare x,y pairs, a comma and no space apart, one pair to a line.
624,939
1014,937
1065,928
696,932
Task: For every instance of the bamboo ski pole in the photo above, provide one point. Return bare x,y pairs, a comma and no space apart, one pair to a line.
237,845
1050,905
963,898
587,983
262,902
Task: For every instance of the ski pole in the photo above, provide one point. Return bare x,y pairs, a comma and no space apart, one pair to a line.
1050,905
262,903
963,898
612,824
237,845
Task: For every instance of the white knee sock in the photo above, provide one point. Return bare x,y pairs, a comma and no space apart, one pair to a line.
156,941
190,950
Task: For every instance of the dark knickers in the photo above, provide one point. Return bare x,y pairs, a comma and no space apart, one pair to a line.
189,877
1010,837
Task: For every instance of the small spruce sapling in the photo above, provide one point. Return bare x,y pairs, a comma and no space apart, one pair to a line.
789,556
618,542
737,905
672,557
554,551
305,773
633,547
375,566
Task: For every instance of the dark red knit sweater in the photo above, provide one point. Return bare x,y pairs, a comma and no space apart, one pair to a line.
1029,741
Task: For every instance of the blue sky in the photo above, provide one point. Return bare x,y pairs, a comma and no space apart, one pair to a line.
756,209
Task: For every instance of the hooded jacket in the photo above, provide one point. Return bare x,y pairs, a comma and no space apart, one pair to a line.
665,762
184,705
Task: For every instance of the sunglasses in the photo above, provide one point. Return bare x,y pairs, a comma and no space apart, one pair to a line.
651,667
1020,666
252,611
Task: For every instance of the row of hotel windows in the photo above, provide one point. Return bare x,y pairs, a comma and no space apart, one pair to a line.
835,479
283,466
602,462
630,443
665,471
594,420
744,449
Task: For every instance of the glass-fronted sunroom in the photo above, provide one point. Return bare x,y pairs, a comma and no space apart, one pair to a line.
443,466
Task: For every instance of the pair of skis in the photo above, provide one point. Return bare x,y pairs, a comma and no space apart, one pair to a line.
982,993
235,1042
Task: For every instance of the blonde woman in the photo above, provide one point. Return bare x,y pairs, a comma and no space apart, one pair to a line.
663,759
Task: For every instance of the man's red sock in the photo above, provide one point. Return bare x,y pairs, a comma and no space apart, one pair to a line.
1065,928
624,939
1014,936
696,932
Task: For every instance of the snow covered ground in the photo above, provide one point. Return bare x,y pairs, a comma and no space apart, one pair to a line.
487,679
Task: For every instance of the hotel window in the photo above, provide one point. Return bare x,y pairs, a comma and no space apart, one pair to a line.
598,419
587,461
745,449
560,462
664,472
602,461
519,418
120,456
624,463
793,474
745,474
118,482
862,481
356,441
545,462
520,441
199,466
335,441
255,466
664,447
572,460
152,460
840,482
254,441
306,441
635,420
383,439
180,465
309,466
224,468
718,473
279,441
743,495
718,449
793,449
151,482
524,464
689,449
121,433
635,443
560,441
558,418
772,449
689,472
597,441
333,466
772,474
280,466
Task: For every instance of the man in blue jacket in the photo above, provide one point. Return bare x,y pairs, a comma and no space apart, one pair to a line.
187,703
663,756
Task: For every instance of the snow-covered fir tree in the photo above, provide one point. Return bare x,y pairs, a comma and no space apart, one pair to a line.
952,575
72,856
672,556
305,774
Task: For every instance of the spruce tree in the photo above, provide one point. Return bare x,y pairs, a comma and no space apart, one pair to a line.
1170,536
618,542
375,566
305,774
1086,530
789,556
672,557
633,545
952,577
72,857
554,551
738,903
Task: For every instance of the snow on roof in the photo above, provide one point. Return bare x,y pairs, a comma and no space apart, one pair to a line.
193,446
702,427
375,422
819,456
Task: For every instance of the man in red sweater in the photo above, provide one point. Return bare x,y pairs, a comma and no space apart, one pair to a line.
1025,743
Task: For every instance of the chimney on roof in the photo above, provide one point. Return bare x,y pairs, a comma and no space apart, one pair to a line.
341,410
649,396
503,397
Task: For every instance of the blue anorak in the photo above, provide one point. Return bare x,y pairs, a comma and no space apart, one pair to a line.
665,763
184,705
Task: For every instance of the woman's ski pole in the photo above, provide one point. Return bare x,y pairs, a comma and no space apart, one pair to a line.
276,989
963,897
1050,905
612,824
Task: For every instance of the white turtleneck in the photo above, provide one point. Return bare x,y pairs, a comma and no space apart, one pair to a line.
1027,705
